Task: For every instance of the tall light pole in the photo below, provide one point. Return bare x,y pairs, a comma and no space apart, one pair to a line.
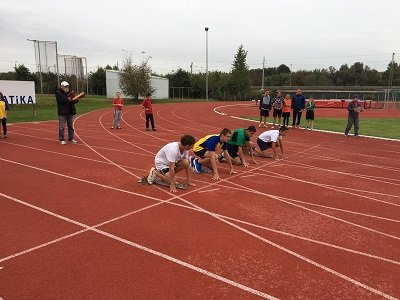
262,80
391,71
291,74
36,42
39,65
206,29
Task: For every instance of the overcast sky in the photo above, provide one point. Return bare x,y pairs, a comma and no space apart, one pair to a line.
306,34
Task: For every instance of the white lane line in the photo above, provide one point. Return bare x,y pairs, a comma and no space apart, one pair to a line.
334,188
380,179
248,175
209,190
236,220
242,229
316,130
138,246
247,223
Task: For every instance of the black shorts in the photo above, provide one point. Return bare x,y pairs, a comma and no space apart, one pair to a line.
277,113
233,150
165,170
264,112
263,145
201,153
310,115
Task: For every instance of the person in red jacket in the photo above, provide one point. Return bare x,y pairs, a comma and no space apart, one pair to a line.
148,110
118,103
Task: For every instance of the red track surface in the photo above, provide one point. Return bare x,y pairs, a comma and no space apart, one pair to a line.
74,224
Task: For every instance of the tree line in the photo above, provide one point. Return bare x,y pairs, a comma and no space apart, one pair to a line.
241,83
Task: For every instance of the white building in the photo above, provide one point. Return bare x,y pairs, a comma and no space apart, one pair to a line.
161,85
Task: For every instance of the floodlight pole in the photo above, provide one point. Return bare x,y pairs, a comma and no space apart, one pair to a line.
58,73
206,29
40,64
87,77
391,71
262,80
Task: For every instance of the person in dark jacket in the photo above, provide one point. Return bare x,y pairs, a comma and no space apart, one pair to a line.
66,111
354,109
298,104
265,107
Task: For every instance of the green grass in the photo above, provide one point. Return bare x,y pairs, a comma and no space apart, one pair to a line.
46,107
388,128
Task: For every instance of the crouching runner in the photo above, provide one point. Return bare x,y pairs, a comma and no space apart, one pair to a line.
207,150
239,144
271,139
171,159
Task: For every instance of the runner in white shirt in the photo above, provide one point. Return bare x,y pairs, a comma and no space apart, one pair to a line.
271,139
171,159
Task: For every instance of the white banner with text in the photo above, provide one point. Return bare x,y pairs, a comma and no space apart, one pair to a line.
18,92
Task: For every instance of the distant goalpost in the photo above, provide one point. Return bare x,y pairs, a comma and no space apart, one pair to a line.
181,92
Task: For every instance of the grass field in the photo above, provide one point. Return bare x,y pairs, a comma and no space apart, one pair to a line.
46,108
388,128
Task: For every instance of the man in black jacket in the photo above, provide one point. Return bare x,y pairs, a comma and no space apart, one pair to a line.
66,111
354,109
298,104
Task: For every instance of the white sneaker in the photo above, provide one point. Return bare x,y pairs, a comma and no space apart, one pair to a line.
63,143
152,175
73,141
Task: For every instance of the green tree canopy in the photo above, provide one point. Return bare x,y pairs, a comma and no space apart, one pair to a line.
98,81
240,80
22,73
135,80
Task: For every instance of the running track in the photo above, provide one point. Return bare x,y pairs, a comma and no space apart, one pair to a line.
74,224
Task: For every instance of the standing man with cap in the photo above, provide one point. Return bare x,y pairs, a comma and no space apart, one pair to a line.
66,111
354,109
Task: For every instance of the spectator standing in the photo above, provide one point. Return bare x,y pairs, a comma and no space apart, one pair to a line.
354,109
287,105
147,104
277,105
265,107
298,104
66,112
310,106
3,114
118,103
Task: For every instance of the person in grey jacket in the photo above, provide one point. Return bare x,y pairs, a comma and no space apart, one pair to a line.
354,109
298,104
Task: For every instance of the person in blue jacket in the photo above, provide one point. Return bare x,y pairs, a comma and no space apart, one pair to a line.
298,104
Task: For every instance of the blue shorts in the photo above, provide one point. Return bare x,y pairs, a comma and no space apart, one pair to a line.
263,145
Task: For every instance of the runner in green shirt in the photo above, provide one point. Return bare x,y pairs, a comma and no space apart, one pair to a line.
240,143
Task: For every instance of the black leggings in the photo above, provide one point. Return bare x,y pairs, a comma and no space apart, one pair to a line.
286,116
4,125
296,114
149,117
